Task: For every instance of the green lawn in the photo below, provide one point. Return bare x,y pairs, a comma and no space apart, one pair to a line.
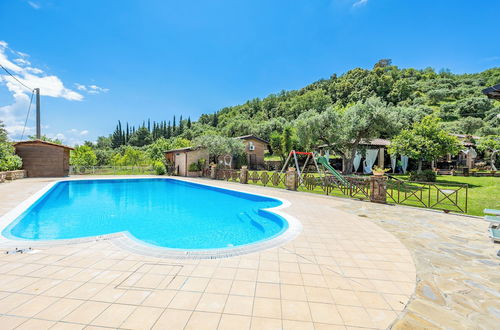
483,192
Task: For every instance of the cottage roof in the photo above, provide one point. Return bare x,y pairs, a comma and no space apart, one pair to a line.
251,136
42,142
492,92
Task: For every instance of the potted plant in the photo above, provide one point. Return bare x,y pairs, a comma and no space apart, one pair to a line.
379,171
194,169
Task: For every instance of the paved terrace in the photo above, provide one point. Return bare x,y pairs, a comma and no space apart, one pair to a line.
355,265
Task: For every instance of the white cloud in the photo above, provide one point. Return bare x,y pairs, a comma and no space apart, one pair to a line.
359,3
91,89
34,5
13,115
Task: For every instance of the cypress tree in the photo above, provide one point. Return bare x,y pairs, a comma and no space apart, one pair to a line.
189,123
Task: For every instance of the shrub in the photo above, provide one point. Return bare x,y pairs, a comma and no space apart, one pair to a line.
194,167
424,176
8,160
159,168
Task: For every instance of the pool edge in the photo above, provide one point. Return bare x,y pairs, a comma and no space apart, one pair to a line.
127,242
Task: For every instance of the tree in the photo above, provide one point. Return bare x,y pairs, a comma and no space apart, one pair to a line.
117,138
343,129
141,137
103,142
218,146
3,133
469,125
46,138
490,144
425,140
83,156
286,141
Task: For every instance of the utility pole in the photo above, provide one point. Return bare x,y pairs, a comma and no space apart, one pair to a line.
38,130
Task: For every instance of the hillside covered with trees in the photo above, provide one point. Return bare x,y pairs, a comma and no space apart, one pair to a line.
361,96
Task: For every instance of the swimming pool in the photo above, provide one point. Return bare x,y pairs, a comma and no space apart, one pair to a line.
161,212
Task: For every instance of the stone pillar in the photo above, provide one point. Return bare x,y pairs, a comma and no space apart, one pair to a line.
213,171
381,158
244,174
291,179
378,189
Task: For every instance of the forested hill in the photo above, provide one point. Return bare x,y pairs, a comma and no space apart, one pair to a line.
456,98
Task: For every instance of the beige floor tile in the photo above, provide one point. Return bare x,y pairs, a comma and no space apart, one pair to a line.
372,300
35,324
203,321
160,298
261,323
382,319
212,302
114,315
13,301
62,289
219,286
267,290
133,297
232,322
86,312
86,291
185,300
243,288
33,306
316,294
240,305
265,307
323,326
355,316
195,284
345,297
59,309
293,292
297,325
246,274
291,278
11,322
225,273
268,276
108,294
142,318
172,319
67,326
40,286
325,313
295,310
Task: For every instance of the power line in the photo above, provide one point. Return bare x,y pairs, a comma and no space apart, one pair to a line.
27,115
10,74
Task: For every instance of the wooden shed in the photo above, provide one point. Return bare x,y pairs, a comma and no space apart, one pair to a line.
43,159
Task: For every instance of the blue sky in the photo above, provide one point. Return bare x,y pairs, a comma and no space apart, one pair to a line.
132,60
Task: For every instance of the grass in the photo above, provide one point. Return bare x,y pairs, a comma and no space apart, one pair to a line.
483,192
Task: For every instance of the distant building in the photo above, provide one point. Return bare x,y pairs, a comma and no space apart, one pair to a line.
43,159
255,148
492,92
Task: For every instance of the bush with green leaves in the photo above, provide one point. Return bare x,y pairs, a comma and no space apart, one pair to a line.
83,156
159,168
424,176
194,167
8,160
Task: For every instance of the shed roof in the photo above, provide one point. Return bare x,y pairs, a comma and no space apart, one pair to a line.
42,142
492,92
251,136
180,149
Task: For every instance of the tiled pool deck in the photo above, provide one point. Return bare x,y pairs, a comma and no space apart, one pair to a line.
353,266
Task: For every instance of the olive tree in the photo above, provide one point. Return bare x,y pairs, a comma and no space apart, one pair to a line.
343,129
218,146
425,140
491,144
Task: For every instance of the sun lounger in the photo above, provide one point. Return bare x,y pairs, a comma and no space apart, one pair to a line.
493,216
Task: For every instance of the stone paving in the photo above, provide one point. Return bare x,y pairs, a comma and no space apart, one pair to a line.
353,266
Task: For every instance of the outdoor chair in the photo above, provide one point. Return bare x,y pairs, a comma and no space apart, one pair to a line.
493,216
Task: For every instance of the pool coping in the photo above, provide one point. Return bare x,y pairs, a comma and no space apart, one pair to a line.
128,242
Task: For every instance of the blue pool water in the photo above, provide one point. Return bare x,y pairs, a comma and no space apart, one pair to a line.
164,212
